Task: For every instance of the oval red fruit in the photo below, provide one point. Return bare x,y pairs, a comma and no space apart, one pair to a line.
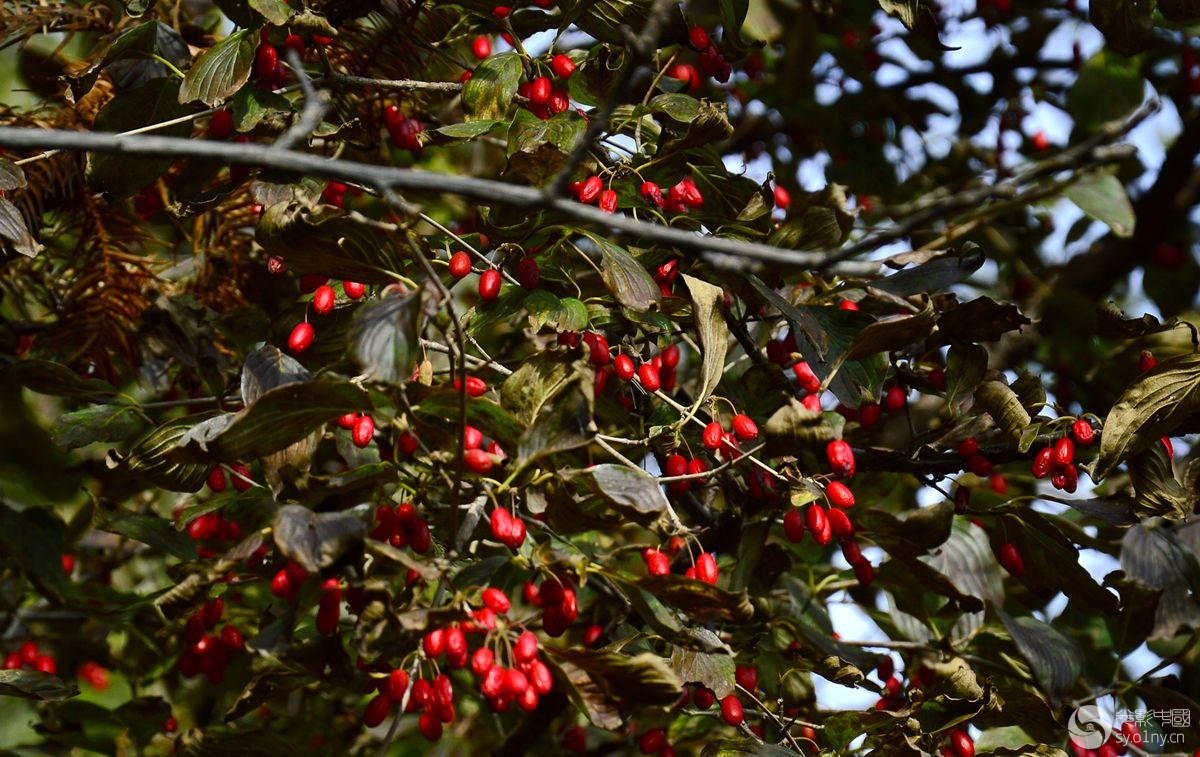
648,376
301,338
731,710
961,743
478,461
608,201
706,568
712,435
1043,461
841,458
818,524
839,523
397,685
623,367
489,285
745,427
1083,432
1064,451
527,274
265,58
699,38
323,299
591,189
657,562
839,495
221,125
562,66
793,526
652,741
377,710
1010,559
363,431
481,47
460,264
539,90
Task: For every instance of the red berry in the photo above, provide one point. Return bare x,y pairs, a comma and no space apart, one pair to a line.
686,73
232,638
241,477
281,585
839,523
703,698
221,124
489,285
868,414
591,189
744,427
818,524
434,643
496,600
363,431
648,375
1043,462
657,562
460,264
501,11
478,461
961,743
699,38
652,194
706,568
968,446
793,525
525,650
216,480
476,387
841,458
1064,451
652,741
301,338
323,299
377,710
353,289
265,59
1146,361
481,47
783,198
839,495
562,66
539,90
806,378
731,710
1083,432
608,201
677,465
1010,559
746,676
44,663
713,434
429,724
623,367
526,273
848,305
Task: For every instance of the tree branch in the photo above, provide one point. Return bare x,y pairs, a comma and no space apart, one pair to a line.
484,190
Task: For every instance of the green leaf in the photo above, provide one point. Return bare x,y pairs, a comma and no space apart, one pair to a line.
33,539
154,102
934,275
1151,407
1056,660
330,242
1157,490
140,43
221,70
707,312
317,540
546,309
628,680
680,107
267,368
1103,197
966,365
1108,87
794,425
535,384
384,337
33,684
151,530
252,104
488,94
99,423
467,130
276,12
626,278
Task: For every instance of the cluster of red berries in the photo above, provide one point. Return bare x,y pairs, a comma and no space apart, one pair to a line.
980,464
1118,742
658,562
239,476
476,457
591,191
29,656
287,582
360,425
209,529
404,130
711,60
556,597
324,299
726,443
893,687
507,529
680,198
208,651
545,100
1058,460
401,526
334,194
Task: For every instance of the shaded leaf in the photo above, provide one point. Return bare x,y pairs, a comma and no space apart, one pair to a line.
15,232
935,274
700,600
627,489
1126,24
1153,555
890,334
713,671
981,320
794,426
966,365
626,278
151,530
11,175
628,680
154,102
33,684
276,12
329,241
752,747
267,368
1002,403
221,70
252,104
317,540
384,336
98,423
150,456
1055,660
1156,490
1150,407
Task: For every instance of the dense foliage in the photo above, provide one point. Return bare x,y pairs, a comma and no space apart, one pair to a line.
449,376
